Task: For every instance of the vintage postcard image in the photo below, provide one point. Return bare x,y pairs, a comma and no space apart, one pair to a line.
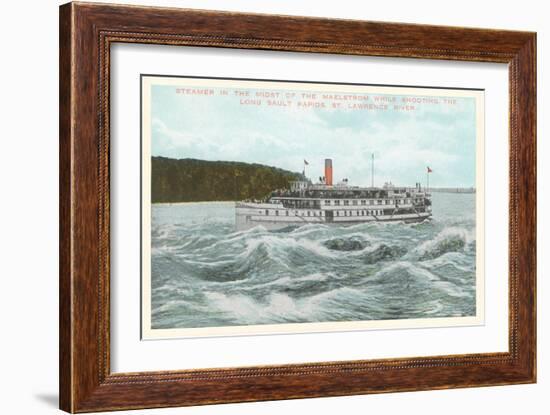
292,207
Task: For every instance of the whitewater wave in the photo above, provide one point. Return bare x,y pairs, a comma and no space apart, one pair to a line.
451,239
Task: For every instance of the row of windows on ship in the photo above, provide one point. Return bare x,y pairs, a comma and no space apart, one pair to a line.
316,203
371,202
375,212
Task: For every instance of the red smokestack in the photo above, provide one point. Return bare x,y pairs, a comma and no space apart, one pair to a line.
328,172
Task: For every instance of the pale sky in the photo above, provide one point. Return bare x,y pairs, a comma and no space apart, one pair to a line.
404,143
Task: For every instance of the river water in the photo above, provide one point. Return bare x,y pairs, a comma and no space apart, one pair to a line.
205,274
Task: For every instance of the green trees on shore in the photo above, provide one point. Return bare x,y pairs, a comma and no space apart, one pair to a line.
191,180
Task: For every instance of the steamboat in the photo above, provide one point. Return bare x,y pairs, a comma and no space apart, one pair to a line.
339,204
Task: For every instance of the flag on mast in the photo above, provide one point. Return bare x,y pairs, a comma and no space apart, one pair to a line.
306,163
429,170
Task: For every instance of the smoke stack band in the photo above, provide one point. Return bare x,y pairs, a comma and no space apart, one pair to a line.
328,172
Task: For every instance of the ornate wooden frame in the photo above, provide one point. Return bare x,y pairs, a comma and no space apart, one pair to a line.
86,33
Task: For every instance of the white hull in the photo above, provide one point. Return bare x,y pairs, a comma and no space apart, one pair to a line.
275,216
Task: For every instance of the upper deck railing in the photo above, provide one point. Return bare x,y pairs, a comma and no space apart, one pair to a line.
318,192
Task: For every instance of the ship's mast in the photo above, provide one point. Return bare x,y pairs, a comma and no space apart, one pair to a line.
428,171
372,171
